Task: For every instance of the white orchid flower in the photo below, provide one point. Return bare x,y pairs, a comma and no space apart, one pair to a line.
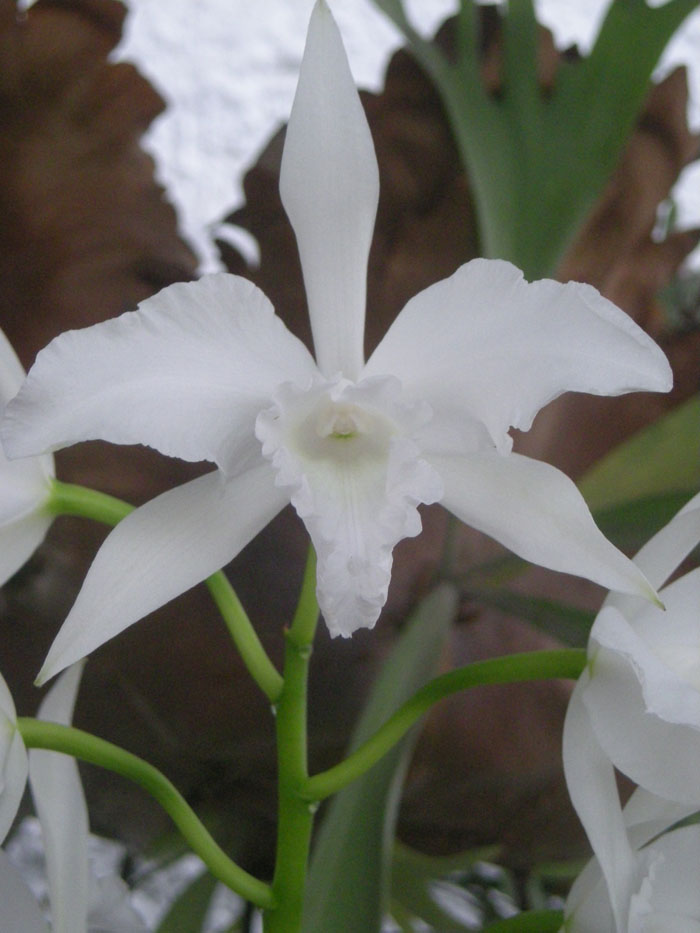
25,486
207,371
663,895
14,765
60,806
637,705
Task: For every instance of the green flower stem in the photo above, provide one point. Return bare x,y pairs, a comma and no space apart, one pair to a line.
244,636
303,627
513,668
71,741
71,499
295,817
532,921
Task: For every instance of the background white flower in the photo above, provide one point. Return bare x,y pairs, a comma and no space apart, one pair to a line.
637,707
24,486
60,805
663,894
207,371
14,765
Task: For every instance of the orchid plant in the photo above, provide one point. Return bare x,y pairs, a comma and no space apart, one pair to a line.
207,371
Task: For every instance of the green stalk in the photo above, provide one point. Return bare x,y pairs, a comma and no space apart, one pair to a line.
244,636
71,741
514,668
295,817
71,499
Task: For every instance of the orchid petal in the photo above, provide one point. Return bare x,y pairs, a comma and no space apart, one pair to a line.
13,761
62,811
663,553
329,184
538,513
19,540
587,908
24,487
19,910
186,373
649,674
27,483
162,549
646,815
664,898
590,779
502,348
674,895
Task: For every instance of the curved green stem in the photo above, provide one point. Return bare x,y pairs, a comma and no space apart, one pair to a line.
303,627
71,499
534,665
89,748
244,636
295,818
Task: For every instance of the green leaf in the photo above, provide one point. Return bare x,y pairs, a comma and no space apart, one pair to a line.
538,161
349,874
412,879
532,921
189,909
662,458
568,623
631,524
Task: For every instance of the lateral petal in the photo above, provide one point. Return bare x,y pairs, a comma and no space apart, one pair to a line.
648,673
329,184
186,373
673,899
538,513
62,811
646,815
501,348
663,553
19,540
161,550
590,779
13,761
24,487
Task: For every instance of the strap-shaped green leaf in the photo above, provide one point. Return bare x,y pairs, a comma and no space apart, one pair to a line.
189,909
538,161
348,880
662,458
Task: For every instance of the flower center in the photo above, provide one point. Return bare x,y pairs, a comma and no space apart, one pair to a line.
341,421
350,456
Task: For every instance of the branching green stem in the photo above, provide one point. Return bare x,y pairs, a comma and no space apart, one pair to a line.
244,636
89,748
71,499
514,668
295,818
